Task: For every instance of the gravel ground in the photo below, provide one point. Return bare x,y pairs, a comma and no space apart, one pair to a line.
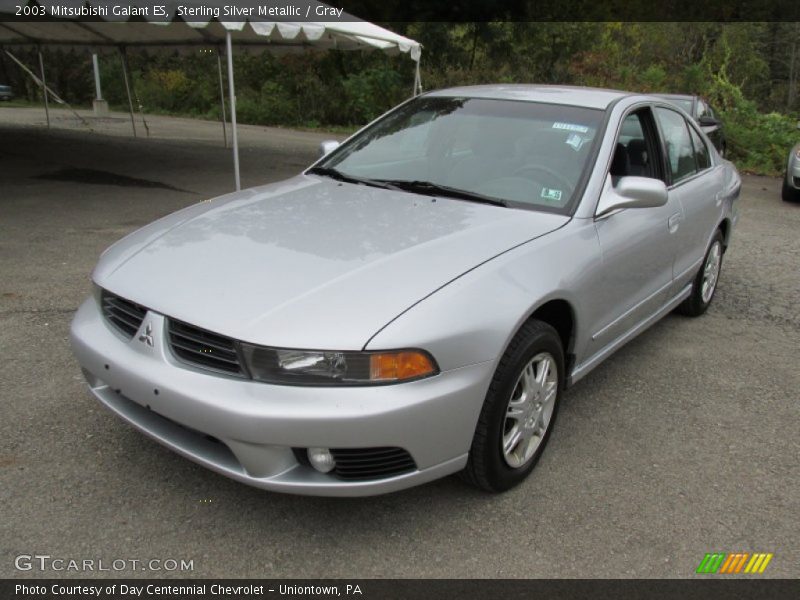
684,442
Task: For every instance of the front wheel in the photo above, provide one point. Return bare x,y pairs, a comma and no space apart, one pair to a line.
519,410
705,283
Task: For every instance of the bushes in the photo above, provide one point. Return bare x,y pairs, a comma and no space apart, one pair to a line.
757,142
370,93
345,89
271,105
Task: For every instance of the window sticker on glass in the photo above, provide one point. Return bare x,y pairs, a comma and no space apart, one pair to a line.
576,141
551,195
571,127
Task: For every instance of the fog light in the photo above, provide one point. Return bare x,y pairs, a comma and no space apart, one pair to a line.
321,459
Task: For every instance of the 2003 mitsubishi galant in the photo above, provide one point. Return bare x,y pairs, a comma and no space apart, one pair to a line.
414,304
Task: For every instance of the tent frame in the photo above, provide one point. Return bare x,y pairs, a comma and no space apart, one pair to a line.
44,87
202,39
222,99
232,102
124,60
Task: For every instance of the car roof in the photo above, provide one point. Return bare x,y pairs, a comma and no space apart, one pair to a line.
676,96
552,94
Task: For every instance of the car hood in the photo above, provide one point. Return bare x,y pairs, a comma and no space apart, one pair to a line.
309,262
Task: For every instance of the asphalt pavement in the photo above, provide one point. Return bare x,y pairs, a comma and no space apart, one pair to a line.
684,442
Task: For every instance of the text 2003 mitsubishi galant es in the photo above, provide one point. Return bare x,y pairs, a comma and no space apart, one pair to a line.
414,304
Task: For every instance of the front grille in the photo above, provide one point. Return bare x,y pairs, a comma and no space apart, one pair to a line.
204,348
355,464
125,316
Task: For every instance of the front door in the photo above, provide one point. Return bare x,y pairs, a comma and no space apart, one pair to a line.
638,245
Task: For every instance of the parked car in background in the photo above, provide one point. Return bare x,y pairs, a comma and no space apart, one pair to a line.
415,303
6,93
704,115
791,180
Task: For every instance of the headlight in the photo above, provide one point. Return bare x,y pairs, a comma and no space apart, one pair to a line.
324,367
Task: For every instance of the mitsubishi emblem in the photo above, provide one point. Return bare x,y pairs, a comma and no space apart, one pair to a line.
147,336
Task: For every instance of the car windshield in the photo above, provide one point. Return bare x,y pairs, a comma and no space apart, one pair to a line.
500,151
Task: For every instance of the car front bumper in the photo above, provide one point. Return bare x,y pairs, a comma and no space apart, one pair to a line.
246,430
793,172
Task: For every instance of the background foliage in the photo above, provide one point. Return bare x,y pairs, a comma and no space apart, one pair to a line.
748,71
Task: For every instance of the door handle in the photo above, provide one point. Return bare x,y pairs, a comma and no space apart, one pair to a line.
674,222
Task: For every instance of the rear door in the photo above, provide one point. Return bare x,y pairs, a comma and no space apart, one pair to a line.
695,182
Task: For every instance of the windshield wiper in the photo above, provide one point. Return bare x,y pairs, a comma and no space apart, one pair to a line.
416,186
339,176
428,187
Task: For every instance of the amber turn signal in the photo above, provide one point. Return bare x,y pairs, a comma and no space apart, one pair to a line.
397,366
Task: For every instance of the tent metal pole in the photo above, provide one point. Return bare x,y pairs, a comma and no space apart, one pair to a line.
222,98
232,94
42,85
124,61
96,66
44,88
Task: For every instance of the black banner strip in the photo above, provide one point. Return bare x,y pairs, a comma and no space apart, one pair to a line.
716,588
385,11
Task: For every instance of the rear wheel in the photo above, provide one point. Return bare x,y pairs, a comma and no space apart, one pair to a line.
788,193
705,283
519,410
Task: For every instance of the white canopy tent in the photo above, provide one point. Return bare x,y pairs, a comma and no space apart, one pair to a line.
111,32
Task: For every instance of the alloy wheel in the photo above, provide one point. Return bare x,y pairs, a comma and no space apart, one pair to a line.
711,272
529,410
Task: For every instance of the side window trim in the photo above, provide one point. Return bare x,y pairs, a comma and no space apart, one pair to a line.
662,143
654,146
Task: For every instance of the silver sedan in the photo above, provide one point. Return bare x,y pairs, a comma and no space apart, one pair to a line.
416,302
791,179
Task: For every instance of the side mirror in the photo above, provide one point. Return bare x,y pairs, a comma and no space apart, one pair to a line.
632,192
706,121
327,147
798,124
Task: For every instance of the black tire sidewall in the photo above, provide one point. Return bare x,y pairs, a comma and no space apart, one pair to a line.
696,305
543,339
788,193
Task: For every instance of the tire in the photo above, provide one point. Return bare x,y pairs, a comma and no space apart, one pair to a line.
788,193
532,355
700,299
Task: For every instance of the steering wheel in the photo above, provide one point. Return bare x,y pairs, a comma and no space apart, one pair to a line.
529,168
